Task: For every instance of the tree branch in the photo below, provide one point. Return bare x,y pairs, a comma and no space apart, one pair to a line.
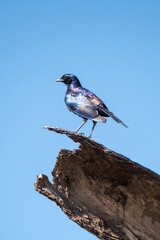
104,192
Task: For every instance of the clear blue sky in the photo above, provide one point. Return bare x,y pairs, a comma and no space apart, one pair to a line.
114,49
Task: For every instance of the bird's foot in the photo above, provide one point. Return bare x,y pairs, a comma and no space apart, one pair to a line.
81,134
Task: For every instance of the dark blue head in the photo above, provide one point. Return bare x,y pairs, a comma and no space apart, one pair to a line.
70,80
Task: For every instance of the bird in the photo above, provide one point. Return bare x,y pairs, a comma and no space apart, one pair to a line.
85,103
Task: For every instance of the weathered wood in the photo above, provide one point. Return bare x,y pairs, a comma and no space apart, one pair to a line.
104,192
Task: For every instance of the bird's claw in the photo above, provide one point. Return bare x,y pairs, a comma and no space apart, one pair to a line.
81,134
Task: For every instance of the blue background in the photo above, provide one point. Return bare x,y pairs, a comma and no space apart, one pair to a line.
114,49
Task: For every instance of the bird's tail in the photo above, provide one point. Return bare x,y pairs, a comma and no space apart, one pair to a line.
113,116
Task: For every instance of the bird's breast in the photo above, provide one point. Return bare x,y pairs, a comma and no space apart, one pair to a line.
74,99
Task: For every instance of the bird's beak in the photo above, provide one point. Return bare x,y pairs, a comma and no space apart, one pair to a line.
60,80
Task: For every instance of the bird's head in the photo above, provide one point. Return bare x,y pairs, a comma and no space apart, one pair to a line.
70,80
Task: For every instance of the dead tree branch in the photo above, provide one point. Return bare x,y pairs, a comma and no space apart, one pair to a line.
104,192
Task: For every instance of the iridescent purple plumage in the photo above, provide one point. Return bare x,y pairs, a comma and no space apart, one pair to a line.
84,103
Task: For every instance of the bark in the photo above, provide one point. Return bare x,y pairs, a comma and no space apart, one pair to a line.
104,192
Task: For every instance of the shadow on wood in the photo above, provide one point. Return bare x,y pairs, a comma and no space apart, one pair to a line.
104,192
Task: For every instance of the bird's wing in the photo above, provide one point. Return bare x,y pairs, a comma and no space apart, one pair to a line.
102,107
94,99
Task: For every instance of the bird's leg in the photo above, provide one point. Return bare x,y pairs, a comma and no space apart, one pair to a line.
94,124
84,121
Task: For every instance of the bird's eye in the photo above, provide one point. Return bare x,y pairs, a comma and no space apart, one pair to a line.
68,80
